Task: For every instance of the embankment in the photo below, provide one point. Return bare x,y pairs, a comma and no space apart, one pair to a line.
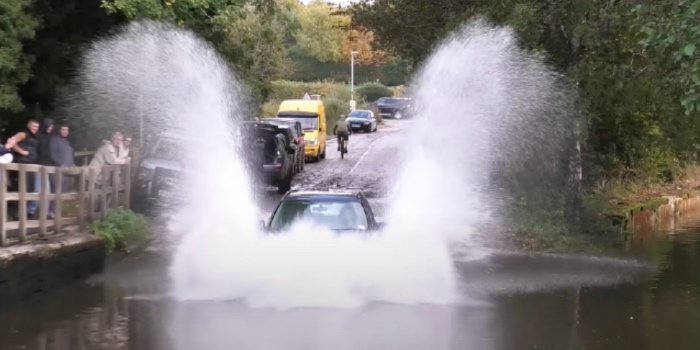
659,214
38,266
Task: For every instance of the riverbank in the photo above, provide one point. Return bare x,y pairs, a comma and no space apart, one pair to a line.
43,265
612,212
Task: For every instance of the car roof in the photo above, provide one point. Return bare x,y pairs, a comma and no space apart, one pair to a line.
361,110
317,194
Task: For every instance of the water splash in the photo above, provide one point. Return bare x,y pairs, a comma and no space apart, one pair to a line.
176,80
491,120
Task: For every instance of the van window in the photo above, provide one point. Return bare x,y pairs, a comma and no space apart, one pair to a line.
309,121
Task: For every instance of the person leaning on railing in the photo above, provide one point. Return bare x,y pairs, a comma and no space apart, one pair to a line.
107,154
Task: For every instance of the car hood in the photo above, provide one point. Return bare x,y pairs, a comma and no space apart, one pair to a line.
152,163
310,135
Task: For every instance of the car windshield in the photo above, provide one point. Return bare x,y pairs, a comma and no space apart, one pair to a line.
392,101
167,150
340,215
307,123
359,115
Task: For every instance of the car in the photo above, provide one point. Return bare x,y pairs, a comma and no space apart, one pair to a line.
393,107
298,134
160,169
326,208
270,153
362,119
312,116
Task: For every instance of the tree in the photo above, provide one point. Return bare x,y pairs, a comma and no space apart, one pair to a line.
17,25
248,33
255,46
321,31
361,41
674,29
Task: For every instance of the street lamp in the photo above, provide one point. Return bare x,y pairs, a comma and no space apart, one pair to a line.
352,80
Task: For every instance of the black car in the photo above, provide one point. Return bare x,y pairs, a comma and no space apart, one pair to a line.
297,132
160,170
340,211
270,153
393,107
362,119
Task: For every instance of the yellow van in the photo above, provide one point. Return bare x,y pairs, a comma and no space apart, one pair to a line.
312,116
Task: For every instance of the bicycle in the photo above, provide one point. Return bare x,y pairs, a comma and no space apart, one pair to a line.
343,150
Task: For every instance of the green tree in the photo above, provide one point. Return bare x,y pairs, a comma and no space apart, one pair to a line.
321,31
249,33
16,26
673,28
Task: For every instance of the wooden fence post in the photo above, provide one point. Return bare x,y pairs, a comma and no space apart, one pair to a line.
22,202
58,207
81,198
92,193
127,187
3,205
104,189
43,199
116,186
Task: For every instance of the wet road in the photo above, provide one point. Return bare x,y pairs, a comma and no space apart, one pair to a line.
516,301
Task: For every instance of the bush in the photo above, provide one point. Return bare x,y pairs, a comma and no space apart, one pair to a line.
334,108
285,90
120,227
373,91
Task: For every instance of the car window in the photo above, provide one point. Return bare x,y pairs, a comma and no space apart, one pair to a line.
334,215
360,114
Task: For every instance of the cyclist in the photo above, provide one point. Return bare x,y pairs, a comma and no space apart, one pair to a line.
342,129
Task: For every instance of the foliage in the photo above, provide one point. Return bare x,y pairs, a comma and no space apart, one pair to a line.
360,41
250,34
334,109
321,31
676,32
119,228
285,90
16,26
372,92
396,71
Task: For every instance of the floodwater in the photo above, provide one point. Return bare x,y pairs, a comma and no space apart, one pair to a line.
647,299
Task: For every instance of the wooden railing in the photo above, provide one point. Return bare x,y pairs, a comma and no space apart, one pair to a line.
91,193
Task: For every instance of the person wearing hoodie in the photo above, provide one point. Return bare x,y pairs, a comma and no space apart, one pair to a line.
60,154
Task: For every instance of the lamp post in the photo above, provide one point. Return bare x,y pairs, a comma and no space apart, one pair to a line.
352,79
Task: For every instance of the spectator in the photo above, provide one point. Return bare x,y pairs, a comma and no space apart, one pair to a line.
107,154
43,158
124,151
60,155
26,152
6,151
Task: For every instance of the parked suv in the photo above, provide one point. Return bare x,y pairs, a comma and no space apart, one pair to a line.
159,170
298,133
393,107
270,152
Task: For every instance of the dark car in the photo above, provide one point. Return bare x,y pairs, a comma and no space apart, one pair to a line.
270,153
160,170
298,134
362,119
393,107
340,211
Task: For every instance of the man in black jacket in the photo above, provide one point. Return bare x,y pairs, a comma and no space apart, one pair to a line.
26,151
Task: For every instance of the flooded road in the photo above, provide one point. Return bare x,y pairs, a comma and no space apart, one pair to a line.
650,300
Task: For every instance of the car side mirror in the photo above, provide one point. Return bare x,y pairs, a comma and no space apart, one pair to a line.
261,225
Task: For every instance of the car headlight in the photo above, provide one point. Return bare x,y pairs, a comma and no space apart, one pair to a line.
366,123
313,142
145,174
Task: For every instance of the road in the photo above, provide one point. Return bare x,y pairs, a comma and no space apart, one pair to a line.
516,301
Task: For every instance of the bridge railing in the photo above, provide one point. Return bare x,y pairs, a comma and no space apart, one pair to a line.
81,194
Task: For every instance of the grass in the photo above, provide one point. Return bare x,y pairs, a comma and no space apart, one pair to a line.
120,228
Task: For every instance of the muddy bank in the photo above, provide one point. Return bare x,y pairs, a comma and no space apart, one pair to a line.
659,214
39,266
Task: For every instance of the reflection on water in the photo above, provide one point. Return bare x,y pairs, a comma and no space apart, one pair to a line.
528,302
